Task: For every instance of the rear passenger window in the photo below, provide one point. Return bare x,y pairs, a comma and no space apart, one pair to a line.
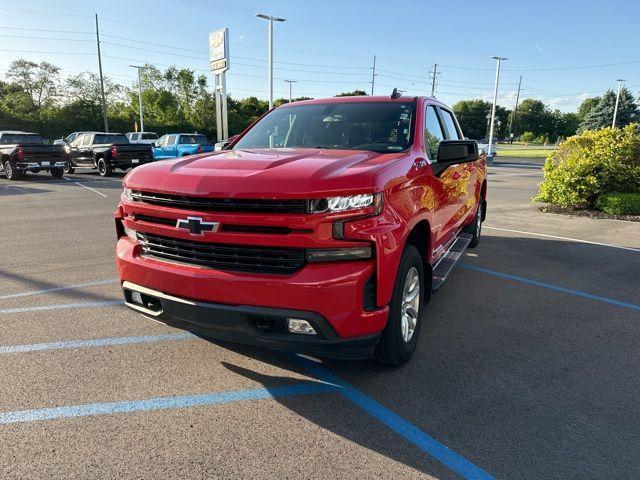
450,125
433,134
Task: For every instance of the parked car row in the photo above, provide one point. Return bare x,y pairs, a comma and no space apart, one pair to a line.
22,152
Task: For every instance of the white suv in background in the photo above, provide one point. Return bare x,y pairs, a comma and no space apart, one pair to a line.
148,138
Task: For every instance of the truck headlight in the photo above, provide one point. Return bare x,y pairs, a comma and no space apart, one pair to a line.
338,254
127,194
346,203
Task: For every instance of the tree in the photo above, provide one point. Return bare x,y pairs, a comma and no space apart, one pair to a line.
472,116
601,115
355,93
586,106
39,80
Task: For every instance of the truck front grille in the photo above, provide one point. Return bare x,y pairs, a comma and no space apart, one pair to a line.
231,205
220,256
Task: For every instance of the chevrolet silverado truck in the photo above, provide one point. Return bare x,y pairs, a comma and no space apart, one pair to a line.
322,229
106,152
22,152
176,145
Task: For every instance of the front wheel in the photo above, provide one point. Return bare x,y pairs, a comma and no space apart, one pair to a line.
57,172
104,169
475,227
68,168
400,336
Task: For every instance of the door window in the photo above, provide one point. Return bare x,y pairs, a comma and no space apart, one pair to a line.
450,125
86,140
170,140
77,141
433,134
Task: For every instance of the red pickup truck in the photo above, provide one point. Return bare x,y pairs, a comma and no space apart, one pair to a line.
321,229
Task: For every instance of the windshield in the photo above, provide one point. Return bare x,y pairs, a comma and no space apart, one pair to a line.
101,139
25,139
193,139
377,126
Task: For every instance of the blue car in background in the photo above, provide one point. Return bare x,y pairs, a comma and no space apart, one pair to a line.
175,145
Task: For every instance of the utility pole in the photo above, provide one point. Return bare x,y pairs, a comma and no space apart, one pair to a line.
104,101
434,74
495,99
515,112
373,75
290,82
270,19
615,110
139,68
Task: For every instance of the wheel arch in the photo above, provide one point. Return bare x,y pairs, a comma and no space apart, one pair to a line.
420,237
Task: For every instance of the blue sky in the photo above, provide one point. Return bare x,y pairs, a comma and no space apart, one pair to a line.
328,46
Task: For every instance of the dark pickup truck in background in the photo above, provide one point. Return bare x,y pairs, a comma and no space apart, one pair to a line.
106,152
22,152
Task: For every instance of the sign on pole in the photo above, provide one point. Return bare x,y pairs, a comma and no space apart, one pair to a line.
219,58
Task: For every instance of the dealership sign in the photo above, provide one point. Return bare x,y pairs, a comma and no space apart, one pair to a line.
219,50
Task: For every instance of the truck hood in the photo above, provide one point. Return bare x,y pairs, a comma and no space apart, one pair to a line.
264,173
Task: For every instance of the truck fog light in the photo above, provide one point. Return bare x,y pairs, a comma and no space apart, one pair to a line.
297,325
131,233
136,297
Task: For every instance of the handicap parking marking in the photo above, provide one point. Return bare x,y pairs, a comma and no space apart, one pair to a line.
61,306
578,240
163,403
550,286
96,342
94,283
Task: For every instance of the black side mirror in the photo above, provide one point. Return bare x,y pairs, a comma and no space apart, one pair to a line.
457,151
229,142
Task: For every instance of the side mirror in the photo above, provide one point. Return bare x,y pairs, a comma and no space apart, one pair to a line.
229,142
457,151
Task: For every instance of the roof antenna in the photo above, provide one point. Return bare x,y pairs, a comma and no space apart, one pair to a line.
395,93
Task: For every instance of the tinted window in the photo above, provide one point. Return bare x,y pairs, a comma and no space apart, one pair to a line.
433,135
149,136
193,139
377,126
450,125
11,138
102,138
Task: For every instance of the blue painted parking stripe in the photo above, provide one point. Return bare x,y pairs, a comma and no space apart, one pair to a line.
57,289
551,286
402,427
60,306
96,342
162,403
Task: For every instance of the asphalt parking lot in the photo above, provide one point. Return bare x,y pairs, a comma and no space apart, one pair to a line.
528,366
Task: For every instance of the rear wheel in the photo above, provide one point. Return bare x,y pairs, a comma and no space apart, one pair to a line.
104,169
11,172
400,336
57,172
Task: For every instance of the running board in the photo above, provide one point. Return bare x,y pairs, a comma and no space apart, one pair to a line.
449,259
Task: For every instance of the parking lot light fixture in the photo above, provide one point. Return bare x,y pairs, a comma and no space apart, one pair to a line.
270,19
139,68
495,99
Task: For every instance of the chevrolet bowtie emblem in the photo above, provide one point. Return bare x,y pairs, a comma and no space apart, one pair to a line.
196,226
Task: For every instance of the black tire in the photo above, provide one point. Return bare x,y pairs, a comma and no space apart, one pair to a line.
11,172
56,172
394,348
68,168
104,169
475,227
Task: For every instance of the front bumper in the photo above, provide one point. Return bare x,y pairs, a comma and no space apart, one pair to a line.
35,166
328,295
249,325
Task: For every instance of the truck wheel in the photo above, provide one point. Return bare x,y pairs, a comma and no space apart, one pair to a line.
399,338
56,172
104,169
10,172
475,227
68,168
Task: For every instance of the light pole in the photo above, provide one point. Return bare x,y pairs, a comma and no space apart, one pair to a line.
290,82
270,19
139,68
615,110
495,99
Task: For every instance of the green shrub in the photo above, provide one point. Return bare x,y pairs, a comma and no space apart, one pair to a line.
619,203
527,137
542,140
591,164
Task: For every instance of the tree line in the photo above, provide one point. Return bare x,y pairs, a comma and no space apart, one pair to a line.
36,97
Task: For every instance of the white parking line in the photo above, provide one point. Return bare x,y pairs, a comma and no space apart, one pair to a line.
60,306
630,249
88,188
57,289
